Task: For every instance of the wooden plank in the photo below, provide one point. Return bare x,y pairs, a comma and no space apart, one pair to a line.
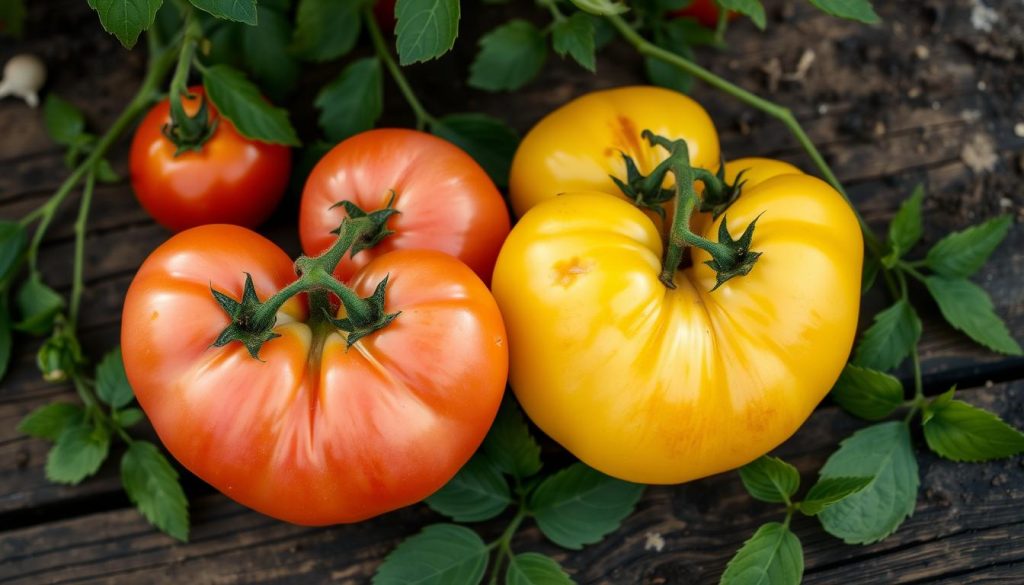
968,517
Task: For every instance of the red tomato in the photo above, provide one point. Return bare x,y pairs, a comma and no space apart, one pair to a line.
313,432
703,11
446,201
230,180
384,12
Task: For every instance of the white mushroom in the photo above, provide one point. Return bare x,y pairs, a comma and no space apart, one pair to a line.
24,76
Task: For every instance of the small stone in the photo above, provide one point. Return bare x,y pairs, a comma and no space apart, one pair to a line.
990,383
654,541
936,105
1006,203
822,109
922,52
914,92
979,154
982,86
1018,129
999,480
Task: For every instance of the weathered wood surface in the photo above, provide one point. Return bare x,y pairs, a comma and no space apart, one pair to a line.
924,97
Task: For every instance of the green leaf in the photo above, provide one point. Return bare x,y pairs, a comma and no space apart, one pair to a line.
126,19
6,333
773,556
867,393
64,122
353,102
112,382
49,421
751,8
12,244
535,569
78,453
574,36
883,453
851,9
510,56
488,140
152,485
967,307
128,417
37,304
961,432
890,338
237,10
326,29
440,554
12,18
106,173
240,101
477,492
770,479
677,36
829,491
961,254
425,29
872,265
265,51
509,444
580,505
905,230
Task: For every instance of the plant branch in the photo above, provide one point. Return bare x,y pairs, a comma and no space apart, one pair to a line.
80,229
423,117
784,115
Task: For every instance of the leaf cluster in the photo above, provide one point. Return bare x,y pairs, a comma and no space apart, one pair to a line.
572,507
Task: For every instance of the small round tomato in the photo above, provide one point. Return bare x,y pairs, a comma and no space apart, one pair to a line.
230,179
314,431
579,146
703,11
445,200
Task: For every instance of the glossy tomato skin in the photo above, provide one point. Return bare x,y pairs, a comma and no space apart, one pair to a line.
311,433
579,146
446,201
230,180
658,385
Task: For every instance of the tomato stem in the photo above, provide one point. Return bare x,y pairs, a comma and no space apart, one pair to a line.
729,257
380,46
784,115
188,132
80,229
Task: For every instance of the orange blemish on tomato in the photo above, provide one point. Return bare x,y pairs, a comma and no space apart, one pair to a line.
567,271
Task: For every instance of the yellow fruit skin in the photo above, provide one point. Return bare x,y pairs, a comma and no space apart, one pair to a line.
577,146
658,385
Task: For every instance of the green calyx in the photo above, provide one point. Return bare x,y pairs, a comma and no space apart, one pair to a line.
718,194
376,220
729,257
645,191
252,320
732,258
364,315
189,132
249,324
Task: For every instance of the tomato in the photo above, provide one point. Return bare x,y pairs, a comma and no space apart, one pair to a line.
703,11
578,146
445,200
231,179
384,13
314,433
663,385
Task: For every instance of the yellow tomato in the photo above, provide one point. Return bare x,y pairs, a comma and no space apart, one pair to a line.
659,385
577,147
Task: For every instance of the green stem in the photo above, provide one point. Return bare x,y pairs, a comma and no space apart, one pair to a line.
720,26
504,544
159,65
918,400
784,115
552,7
423,117
80,229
